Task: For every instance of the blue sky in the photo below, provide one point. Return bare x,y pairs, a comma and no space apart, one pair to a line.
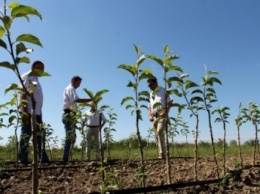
91,38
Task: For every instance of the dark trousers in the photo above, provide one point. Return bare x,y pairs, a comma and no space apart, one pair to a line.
26,133
69,122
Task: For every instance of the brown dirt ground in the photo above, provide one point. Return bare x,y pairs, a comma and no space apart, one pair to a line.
85,177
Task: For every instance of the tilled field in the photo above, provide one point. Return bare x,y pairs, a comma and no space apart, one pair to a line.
85,177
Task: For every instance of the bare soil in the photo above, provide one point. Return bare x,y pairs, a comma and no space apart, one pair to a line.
85,177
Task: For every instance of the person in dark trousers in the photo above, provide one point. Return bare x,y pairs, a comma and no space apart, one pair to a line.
70,100
157,114
33,86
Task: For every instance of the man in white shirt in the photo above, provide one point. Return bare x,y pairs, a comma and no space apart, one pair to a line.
157,111
94,120
33,86
70,100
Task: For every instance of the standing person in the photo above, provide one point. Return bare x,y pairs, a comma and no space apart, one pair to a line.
94,120
33,86
158,114
70,100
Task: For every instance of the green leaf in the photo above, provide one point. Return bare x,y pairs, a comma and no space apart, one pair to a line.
13,5
24,11
129,106
144,93
158,60
12,118
129,68
22,60
7,22
146,74
29,38
211,90
2,43
101,92
12,87
143,99
196,99
126,99
166,49
2,32
141,60
197,91
7,65
190,84
90,94
20,48
212,72
157,104
176,79
137,49
39,73
173,57
176,92
132,84
144,106
215,80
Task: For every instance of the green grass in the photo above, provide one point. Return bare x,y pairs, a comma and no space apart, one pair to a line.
120,150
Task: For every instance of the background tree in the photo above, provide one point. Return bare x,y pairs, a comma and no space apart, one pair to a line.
223,117
112,118
252,114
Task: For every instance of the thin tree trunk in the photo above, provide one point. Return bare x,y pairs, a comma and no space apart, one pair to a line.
212,142
224,149
34,140
196,149
255,143
239,146
140,147
101,147
168,164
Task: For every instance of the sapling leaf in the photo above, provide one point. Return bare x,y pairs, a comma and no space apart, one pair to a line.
190,84
175,68
29,38
90,93
216,80
22,60
197,91
157,104
2,43
129,106
143,99
128,68
20,48
126,99
144,93
12,87
2,32
23,11
7,65
7,21
158,60
39,73
101,92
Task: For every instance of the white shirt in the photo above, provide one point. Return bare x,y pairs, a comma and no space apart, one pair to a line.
69,98
93,117
32,83
158,96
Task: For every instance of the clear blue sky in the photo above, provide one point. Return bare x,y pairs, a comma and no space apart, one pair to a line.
91,38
